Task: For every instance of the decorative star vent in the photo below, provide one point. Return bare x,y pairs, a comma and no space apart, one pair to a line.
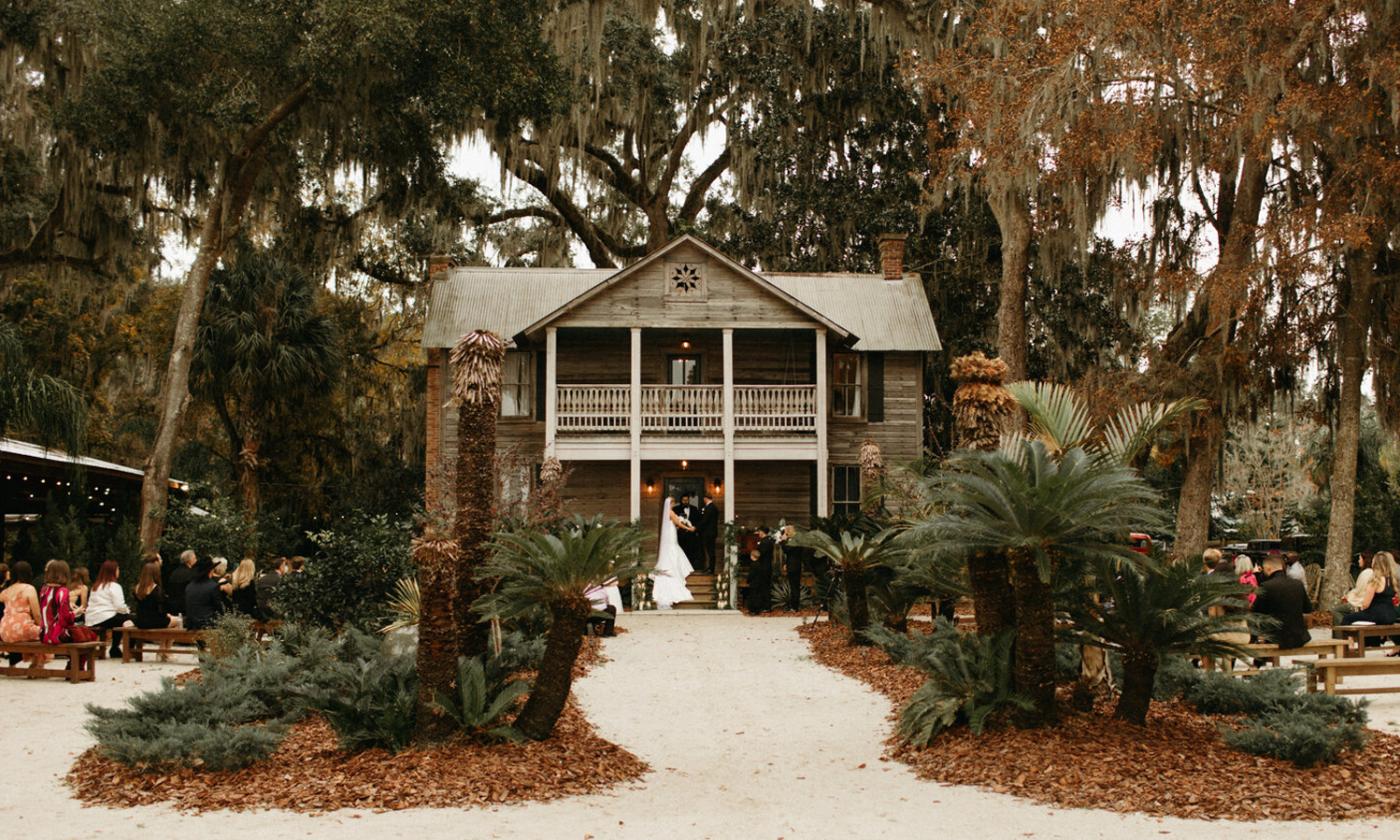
685,280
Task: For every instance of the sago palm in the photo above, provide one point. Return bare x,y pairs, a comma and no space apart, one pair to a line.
476,387
1046,515
535,569
1148,611
856,555
435,556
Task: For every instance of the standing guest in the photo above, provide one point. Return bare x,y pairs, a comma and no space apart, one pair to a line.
1377,603
20,622
150,600
55,609
183,576
107,609
245,594
761,573
1286,600
266,586
205,597
78,590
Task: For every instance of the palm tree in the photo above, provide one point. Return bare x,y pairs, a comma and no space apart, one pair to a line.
856,555
1045,515
982,412
536,569
1148,611
45,405
436,557
264,344
476,385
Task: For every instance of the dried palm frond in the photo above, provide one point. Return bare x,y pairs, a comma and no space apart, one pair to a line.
476,365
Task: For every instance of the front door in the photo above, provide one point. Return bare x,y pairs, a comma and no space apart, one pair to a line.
683,370
679,485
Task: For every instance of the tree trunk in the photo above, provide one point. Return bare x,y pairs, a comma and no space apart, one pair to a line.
1013,215
556,674
1352,323
992,603
476,515
1034,668
1139,678
857,605
224,214
437,633
248,464
1193,505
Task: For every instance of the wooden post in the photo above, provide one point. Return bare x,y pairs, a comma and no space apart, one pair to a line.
551,396
729,454
635,425
823,477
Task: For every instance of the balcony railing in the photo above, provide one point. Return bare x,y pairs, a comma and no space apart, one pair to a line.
687,409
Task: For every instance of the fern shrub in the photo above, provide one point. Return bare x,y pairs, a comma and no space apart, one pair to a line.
372,703
969,679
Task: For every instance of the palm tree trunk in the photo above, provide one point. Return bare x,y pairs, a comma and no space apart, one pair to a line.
556,674
1139,678
1341,521
1034,669
436,559
857,605
476,515
992,603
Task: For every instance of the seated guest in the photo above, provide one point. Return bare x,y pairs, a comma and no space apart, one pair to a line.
181,577
150,601
1244,573
245,594
1286,600
1294,565
605,599
205,597
267,584
298,564
1210,558
1356,598
55,608
1377,603
20,622
107,608
78,589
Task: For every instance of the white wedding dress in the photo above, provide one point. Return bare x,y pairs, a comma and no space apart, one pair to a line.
672,566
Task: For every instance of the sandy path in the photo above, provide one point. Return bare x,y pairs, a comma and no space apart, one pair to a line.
747,736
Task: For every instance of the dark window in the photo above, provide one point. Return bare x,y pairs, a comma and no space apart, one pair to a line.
845,385
517,384
845,490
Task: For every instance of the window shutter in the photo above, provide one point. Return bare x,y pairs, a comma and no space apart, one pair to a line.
539,386
875,369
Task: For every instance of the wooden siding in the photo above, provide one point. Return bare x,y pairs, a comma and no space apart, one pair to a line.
761,357
901,436
641,300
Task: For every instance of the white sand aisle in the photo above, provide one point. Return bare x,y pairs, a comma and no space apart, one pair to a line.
747,737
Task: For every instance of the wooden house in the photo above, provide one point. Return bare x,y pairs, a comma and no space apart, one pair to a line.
687,372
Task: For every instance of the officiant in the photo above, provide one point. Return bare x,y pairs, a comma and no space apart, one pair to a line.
689,539
708,534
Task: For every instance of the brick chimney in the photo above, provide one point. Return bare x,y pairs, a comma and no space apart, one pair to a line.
892,255
437,263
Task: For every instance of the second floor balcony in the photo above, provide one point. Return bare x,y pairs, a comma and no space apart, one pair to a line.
694,410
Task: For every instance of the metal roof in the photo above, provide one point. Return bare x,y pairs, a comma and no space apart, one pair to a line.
882,314
32,451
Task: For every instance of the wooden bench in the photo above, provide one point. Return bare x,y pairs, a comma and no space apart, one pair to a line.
1321,648
1331,672
166,637
1357,634
82,657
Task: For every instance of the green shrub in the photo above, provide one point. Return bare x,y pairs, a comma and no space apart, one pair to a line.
352,576
215,528
231,633
479,703
372,703
1175,676
1304,738
1220,694
969,679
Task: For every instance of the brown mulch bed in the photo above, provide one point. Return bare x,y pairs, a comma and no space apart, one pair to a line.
1321,618
1175,766
309,772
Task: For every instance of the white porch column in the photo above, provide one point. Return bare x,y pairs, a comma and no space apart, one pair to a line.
728,558
551,397
823,471
634,425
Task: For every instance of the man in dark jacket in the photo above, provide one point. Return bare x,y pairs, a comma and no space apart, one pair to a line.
182,576
708,528
1285,599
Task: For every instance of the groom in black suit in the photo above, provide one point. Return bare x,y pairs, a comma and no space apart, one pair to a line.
689,540
708,531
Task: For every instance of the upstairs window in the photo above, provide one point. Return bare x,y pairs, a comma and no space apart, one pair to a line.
846,397
517,385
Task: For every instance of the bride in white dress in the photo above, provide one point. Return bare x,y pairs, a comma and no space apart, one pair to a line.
672,566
